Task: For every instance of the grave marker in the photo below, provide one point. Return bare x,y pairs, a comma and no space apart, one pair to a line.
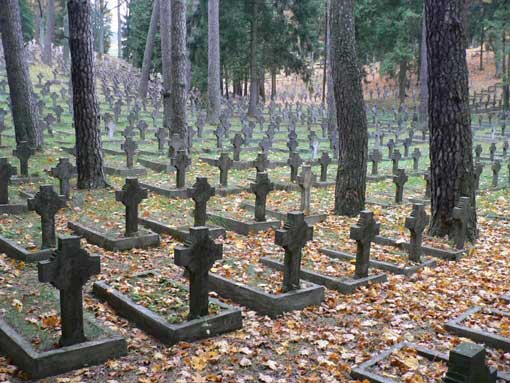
131,195
416,224
261,188
364,233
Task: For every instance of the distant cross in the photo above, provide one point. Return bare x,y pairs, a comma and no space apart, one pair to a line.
237,143
391,146
428,188
395,158
129,146
6,172
416,224
261,163
181,162
64,171
305,182
461,216
161,135
478,173
324,162
294,162
364,233
399,179
407,144
131,195
496,167
261,188
68,270
375,157
292,144
478,152
293,238
201,192
224,163
23,152
265,144
492,151
416,158
142,128
46,203
198,256
176,143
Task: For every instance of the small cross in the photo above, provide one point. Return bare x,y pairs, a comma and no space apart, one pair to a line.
364,233
131,195
68,270
129,146
64,171
237,142
23,152
496,167
293,238
376,157
198,256
416,158
261,163
161,135
46,203
416,224
395,158
181,162
461,215
324,162
294,162
6,172
261,188
399,179
305,182
224,163
201,192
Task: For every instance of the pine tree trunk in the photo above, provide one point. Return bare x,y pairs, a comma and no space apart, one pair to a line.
179,96
506,74
24,112
332,123
254,72
65,51
213,79
149,47
50,28
262,85
273,84
101,28
402,82
165,25
350,109
451,146
119,30
424,90
89,156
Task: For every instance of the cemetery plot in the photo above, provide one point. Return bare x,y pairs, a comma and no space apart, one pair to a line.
484,325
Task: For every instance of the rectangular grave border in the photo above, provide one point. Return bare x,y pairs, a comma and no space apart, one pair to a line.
449,255
114,244
386,266
113,152
493,340
343,284
266,303
125,172
14,208
242,227
310,219
18,180
170,193
39,365
230,319
15,251
179,233
156,166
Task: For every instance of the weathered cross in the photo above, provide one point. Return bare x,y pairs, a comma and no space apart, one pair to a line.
478,173
23,152
416,158
294,162
261,163
364,233
324,162
46,203
64,171
416,224
461,216
237,143
305,182
129,146
68,270
375,157
224,163
395,158
161,135
399,179
293,238
201,192
198,256
181,162
6,172
496,167
131,195
261,188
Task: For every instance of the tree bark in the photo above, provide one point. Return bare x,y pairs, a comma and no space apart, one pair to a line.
24,112
402,82
424,90
350,109
254,72
65,51
89,156
165,25
332,123
48,36
451,158
506,75
101,16
149,47
273,84
213,79
179,95
119,30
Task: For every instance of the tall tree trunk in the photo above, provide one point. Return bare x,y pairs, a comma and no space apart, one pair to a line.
465,19
424,90
326,39
273,84
119,30
65,51
402,81
50,28
179,95
451,146
482,41
506,74
254,72
165,25
89,155
225,73
213,69
262,85
149,47
40,28
332,118
351,116
101,16
24,113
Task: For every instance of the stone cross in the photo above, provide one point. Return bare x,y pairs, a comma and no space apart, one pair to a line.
416,158
261,163
6,172
305,182
375,157
131,195
237,142
466,364
492,151
261,188
461,216
478,152
428,188
407,145
324,162
46,203
399,179
416,224
294,162
293,238
364,233
64,171
198,256
129,146
395,158
496,167
68,270
391,146
201,192
478,172
23,152
162,136
224,163
181,162
142,128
